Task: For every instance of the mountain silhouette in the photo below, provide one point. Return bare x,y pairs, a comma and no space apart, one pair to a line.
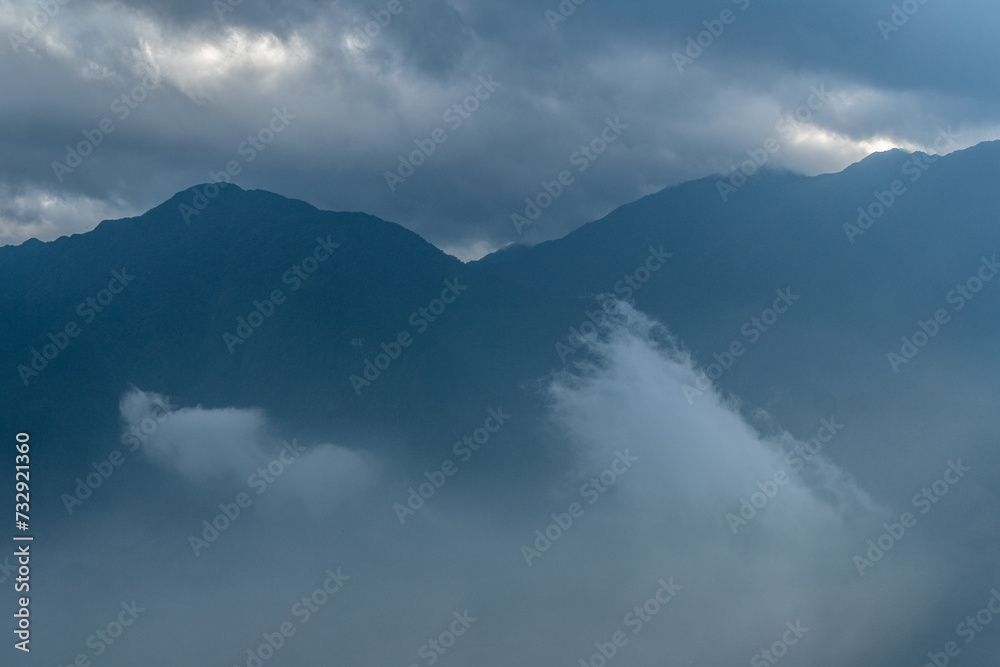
197,318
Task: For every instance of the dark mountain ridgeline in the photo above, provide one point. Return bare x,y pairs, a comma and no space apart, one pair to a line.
164,331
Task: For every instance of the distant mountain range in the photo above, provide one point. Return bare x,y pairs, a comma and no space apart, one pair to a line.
345,324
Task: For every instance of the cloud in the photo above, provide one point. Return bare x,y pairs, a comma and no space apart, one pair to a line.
198,443
715,503
230,444
361,107
327,475
30,211
646,485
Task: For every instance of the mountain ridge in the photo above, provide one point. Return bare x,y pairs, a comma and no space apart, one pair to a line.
167,331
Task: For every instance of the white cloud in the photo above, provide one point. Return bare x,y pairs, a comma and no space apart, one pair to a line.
32,211
664,517
196,442
206,443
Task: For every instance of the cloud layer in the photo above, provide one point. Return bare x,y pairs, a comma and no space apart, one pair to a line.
668,518
361,101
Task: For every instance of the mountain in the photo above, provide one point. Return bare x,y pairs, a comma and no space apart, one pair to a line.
193,281
853,313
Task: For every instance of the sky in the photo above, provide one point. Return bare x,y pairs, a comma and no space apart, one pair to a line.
453,117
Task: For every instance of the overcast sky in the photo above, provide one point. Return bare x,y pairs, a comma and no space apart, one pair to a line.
199,78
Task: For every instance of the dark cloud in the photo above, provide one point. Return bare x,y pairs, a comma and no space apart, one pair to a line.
361,102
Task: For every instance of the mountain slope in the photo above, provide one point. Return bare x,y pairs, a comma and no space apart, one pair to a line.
513,312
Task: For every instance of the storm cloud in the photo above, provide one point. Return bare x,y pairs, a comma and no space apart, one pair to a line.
364,86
